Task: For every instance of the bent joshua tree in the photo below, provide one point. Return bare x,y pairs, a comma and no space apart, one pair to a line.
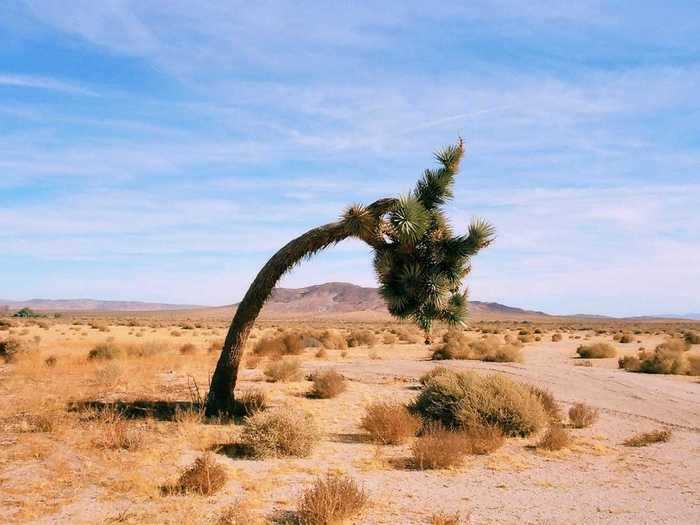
419,262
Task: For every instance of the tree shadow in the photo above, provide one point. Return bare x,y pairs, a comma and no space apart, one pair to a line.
233,450
140,408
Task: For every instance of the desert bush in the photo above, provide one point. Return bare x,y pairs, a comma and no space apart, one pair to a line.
113,432
238,514
281,345
215,346
482,439
12,349
106,352
389,423
361,338
51,361
459,400
556,438
669,357
389,339
251,362
692,338
332,499
188,349
438,448
548,402
648,438
456,345
327,384
251,401
433,372
674,344
626,338
581,415
556,338
204,477
280,432
284,370
408,336
596,351
442,518
332,340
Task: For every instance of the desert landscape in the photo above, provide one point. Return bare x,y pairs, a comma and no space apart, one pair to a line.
102,416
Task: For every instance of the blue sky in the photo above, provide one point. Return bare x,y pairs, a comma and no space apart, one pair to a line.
163,151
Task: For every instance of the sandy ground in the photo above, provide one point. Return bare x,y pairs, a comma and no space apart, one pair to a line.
55,478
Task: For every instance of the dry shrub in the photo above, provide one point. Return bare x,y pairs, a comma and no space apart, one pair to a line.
327,384
648,438
626,338
106,352
556,438
113,432
389,423
389,339
238,514
692,338
109,375
147,349
284,370
581,415
442,518
669,357
204,477
216,346
282,432
462,399
596,351
361,338
51,361
556,338
456,345
13,349
438,448
482,439
45,418
251,401
333,340
251,362
332,499
188,349
408,336
548,402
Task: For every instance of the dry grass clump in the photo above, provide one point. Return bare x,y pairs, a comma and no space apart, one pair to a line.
251,401
284,344
282,432
556,438
327,384
548,402
204,477
456,345
596,351
691,338
581,415
406,335
389,339
442,518
331,500
556,337
462,399
188,349
333,340
284,370
667,358
361,338
106,351
114,433
147,349
648,438
482,439
238,514
389,423
438,448
12,348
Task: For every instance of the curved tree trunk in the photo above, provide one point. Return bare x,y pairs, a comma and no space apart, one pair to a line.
221,397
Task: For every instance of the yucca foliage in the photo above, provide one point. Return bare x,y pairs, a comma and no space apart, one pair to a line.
419,261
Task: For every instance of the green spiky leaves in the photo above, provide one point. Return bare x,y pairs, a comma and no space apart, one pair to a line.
419,262
409,220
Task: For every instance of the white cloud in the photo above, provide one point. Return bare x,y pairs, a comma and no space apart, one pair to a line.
39,82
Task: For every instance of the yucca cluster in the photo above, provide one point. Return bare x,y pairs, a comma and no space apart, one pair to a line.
419,261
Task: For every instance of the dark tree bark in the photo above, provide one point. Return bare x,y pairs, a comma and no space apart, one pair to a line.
220,400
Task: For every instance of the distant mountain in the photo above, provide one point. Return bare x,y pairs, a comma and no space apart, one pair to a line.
342,298
75,305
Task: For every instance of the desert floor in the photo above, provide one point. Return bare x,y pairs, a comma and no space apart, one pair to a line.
53,469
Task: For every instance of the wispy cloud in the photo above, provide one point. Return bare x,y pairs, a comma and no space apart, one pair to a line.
38,82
